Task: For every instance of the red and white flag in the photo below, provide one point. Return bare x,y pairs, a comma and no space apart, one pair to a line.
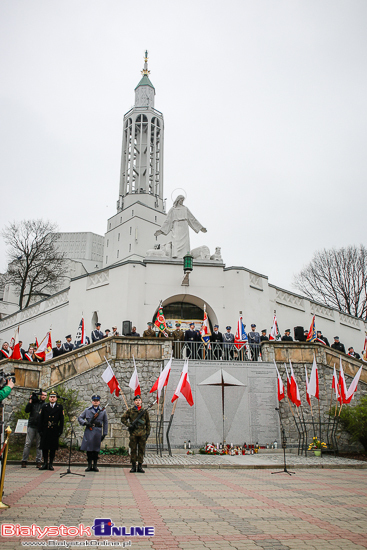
353,387
44,350
111,380
16,349
184,389
364,352
334,384
81,337
274,333
307,392
162,379
313,388
134,381
288,383
342,384
296,398
281,394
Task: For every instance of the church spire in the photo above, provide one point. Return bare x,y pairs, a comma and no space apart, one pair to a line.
145,72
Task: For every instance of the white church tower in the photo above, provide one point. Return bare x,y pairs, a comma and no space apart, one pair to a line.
140,206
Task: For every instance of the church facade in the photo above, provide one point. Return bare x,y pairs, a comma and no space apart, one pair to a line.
140,262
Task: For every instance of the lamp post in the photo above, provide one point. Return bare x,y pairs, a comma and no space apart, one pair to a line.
187,267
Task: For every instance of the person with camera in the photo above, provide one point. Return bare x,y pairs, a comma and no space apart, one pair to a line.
50,427
95,421
6,388
33,407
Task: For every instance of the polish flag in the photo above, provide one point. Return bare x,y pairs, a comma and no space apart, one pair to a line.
313,388
44,350
134,381
16,348
342,384
274,333
334,384
162,379
280,384
307,390
288,383
184,389
296,399
353,387
111,380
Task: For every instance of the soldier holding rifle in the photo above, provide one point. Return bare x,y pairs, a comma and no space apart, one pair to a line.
138,423
94,419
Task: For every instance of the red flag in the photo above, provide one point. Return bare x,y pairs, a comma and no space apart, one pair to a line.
274,333
353,387
16,349
307,393
314,381
280,385
162,379
44,350
111,380
334,384
342,384
288,383
134,381
296,399
160,321
184,388
311,336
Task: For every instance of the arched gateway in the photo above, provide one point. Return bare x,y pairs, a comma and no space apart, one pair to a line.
186,308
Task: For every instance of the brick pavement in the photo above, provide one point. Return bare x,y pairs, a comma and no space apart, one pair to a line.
196,508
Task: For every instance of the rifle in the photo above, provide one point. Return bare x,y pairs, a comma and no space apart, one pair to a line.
133,424
95,416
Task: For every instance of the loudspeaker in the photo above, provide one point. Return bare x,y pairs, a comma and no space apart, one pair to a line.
299,334
126,327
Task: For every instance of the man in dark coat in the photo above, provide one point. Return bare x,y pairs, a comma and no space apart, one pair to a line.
50,426
58,350
338,345
287,336
216,340
97,334
320,336
33,408
138,434
95,420
263,337
192,337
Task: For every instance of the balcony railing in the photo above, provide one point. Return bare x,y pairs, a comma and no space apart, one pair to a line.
216,351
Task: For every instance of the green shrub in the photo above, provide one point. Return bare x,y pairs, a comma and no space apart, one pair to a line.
120,451
354,421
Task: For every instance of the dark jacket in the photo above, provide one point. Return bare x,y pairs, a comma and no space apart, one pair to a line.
58,351
216,337
338,346
50,426
33,409
92,437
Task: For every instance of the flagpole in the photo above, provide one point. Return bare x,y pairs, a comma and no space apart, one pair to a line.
169,427
161,420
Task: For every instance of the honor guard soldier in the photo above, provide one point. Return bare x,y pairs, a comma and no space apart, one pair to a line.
178,336
149,333
50,426
287,336
263,337
192,337
216,340
58,350
254,341
138,423
95,420
97,334
228,343
68,345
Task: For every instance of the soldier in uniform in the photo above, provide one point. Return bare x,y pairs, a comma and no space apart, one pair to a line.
50,426
96,425
97,334
228,343
58,350
192,337
254,341
216,339
149,333
178,336
138,434
68,345
287,336
263,337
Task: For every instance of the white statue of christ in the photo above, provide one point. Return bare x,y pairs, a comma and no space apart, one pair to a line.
178,220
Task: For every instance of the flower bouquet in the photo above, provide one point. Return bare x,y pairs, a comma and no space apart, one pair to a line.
316,446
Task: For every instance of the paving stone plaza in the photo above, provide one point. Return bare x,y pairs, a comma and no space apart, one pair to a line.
201,502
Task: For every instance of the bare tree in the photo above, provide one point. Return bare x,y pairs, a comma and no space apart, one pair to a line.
36,267
337,278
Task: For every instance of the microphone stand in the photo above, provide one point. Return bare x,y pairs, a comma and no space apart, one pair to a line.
68,471
284,445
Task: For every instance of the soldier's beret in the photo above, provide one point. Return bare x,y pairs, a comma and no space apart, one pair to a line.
68,336
96,397
137,397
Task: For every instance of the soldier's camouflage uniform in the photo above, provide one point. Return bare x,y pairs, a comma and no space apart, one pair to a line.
140,434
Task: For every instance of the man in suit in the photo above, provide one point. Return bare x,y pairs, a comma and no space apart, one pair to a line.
192,337
50,427
216,340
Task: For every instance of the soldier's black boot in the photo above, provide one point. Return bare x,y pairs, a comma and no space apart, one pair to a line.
50,467
140,468
95,469
133,468
90,467
44,466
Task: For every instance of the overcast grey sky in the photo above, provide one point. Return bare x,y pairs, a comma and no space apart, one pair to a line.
265,118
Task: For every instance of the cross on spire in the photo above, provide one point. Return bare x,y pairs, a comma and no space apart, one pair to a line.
145,70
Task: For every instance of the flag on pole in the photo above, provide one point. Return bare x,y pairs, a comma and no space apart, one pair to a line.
342,384
307,392
44,350
288,382
364,352
81,337
241,337
160,321
184,388
111,380
134,381
274,333
15,347
280,384
162,379
313,387
205,329
311,336
334,383
353,387
296,399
